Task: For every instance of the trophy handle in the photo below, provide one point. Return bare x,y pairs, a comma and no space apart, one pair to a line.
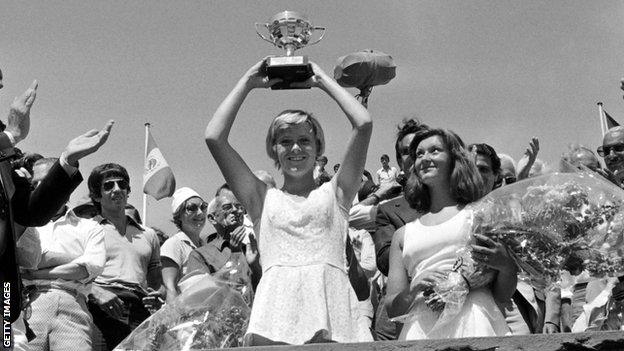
321,37
266,26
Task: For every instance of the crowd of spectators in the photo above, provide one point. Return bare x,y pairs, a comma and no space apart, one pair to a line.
83,278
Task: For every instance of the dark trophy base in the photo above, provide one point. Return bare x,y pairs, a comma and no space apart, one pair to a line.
290,69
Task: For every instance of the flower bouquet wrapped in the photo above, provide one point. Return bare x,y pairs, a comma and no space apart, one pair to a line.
545,223
212,312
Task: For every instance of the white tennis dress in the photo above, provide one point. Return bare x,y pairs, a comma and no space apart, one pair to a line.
304,290
435,247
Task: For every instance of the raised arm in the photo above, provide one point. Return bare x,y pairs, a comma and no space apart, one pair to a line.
246,187
352,166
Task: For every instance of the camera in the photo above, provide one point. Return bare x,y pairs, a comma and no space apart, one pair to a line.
24,160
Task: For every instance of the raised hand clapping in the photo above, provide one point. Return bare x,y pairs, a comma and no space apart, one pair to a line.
87,143
19,115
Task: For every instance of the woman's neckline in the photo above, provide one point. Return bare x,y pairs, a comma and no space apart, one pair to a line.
299,196
460,208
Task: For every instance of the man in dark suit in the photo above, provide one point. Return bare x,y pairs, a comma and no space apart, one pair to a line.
20,204
392,215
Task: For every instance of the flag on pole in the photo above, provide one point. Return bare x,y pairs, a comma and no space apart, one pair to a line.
158,179
610,121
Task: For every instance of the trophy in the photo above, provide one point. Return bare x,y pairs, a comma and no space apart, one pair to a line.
290,31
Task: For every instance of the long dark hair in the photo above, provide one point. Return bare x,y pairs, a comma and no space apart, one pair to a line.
465,183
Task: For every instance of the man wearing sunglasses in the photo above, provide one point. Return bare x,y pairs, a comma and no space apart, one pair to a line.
21,204
508,170
125,291
612,150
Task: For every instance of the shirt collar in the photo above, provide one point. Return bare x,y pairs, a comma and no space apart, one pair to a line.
63,215
182,236
101,220
216,240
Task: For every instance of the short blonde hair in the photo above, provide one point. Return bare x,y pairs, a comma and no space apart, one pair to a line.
293,117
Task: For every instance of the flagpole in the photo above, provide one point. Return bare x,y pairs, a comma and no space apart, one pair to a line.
147,125
603,122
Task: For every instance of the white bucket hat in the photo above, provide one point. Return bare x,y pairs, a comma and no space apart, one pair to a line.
180,196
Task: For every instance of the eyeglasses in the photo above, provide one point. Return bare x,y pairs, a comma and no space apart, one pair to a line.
110,184
193,207
232,207
606,149
509,180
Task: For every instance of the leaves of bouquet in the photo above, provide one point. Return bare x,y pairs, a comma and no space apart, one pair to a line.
546,220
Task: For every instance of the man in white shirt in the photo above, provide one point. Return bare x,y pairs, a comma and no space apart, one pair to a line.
72,255
386,174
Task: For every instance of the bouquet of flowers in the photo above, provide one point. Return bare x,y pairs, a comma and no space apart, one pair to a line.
571,221
212,312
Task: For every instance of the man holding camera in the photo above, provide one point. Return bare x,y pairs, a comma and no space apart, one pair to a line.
20,204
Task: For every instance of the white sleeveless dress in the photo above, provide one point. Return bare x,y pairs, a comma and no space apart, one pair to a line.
434,247
304,291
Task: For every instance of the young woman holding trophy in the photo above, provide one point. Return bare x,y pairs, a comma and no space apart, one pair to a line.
304,294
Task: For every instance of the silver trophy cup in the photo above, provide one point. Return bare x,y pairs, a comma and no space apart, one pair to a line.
289,31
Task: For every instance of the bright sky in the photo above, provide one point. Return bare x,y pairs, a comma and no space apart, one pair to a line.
492,71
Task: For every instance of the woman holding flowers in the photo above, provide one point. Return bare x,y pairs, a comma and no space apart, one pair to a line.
444,180
304,294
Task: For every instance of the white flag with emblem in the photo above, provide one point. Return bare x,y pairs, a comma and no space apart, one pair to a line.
158,179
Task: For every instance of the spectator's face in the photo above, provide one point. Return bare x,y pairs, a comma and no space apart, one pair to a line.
193,217
484,165
587,159
229,212
296,149
508,172
406,160
613,146
384,162
433,161
114,194
336,167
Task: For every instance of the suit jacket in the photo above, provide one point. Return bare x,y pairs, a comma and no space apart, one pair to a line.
391,216
32,208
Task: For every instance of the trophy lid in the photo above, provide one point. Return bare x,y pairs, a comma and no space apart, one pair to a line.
288,16
290,30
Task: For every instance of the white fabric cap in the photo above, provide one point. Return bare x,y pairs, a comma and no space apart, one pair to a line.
180,196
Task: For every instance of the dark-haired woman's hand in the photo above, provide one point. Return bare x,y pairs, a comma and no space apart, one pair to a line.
426,280
492,254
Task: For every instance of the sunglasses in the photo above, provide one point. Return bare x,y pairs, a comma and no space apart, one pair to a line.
193,207
109,185
509,180
605,150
